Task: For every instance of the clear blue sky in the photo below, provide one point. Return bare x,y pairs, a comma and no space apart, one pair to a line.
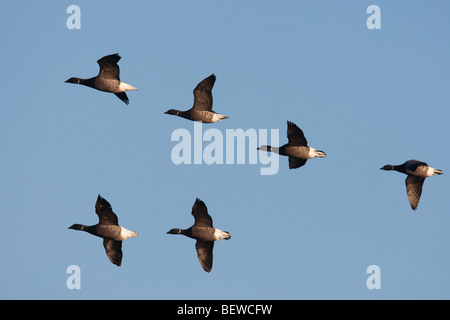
365,97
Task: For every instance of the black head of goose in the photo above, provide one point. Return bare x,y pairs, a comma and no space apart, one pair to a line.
108,78
203,101
204,232
296,149
417,171
108,228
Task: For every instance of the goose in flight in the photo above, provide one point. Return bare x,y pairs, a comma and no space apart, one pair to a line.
108,79
417,171
108,228
296,149
203,101
204,232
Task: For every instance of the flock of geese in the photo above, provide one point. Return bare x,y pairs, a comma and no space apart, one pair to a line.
202,230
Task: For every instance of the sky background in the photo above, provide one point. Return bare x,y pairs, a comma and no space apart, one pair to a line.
365,97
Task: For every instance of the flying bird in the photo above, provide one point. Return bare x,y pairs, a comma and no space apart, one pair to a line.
108,228
417,171
108,79
203,101
296,149
204,232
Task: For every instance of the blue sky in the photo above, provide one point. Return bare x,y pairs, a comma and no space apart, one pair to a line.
365,97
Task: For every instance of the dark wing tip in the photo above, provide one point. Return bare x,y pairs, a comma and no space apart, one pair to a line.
116,261
115,57
207,268
102,201
206,84
109,65
199,205
292,124
123,96
200,202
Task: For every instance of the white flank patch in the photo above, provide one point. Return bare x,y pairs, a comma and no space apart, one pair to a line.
125,234
126,87
216,117
313,153
219,234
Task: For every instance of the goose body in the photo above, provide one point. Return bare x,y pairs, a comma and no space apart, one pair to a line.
417,172
203,101
204,232
108,228
108,78
296,149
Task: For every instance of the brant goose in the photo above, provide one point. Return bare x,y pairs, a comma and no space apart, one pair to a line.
203,101
108,228
417,171
107,79
296,148
204,232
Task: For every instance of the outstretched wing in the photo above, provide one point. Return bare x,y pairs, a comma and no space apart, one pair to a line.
205,254
295,163
113,250
203,99
105,213
109,68
414,190
200,213
295,135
